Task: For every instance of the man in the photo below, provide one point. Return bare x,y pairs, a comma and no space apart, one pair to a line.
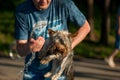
111,57
36,17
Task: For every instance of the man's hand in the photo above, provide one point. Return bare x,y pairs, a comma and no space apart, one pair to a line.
36,45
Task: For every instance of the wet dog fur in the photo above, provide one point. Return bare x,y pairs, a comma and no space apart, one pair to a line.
58,49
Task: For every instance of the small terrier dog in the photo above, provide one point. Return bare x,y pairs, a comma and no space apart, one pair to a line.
58,49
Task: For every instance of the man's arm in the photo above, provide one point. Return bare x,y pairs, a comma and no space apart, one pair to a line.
81,34
23,47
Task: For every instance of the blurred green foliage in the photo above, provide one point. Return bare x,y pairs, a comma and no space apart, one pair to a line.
7,8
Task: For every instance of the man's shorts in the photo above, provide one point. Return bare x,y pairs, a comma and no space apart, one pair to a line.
117,42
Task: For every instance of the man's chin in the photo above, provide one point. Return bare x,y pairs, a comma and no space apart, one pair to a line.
42,7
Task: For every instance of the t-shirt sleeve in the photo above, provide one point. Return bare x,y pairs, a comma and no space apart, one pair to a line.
21,28
75,15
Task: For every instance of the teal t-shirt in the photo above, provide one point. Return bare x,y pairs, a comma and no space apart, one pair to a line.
30,20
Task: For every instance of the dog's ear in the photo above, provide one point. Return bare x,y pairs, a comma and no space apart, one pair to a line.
51,32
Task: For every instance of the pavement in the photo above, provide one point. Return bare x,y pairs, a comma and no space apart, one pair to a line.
85,69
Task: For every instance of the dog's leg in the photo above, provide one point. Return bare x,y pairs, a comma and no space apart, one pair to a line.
62,67
66,63
48,59
69,72
46,47
54,66
53,70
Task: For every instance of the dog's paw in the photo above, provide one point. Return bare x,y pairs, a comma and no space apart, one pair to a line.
48,74
55,77
43,62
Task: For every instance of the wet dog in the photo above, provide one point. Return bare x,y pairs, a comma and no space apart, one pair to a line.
58,49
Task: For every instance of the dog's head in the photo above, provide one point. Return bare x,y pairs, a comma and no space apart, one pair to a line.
61,41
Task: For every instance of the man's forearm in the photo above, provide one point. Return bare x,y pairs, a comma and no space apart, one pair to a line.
23,49
81,34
